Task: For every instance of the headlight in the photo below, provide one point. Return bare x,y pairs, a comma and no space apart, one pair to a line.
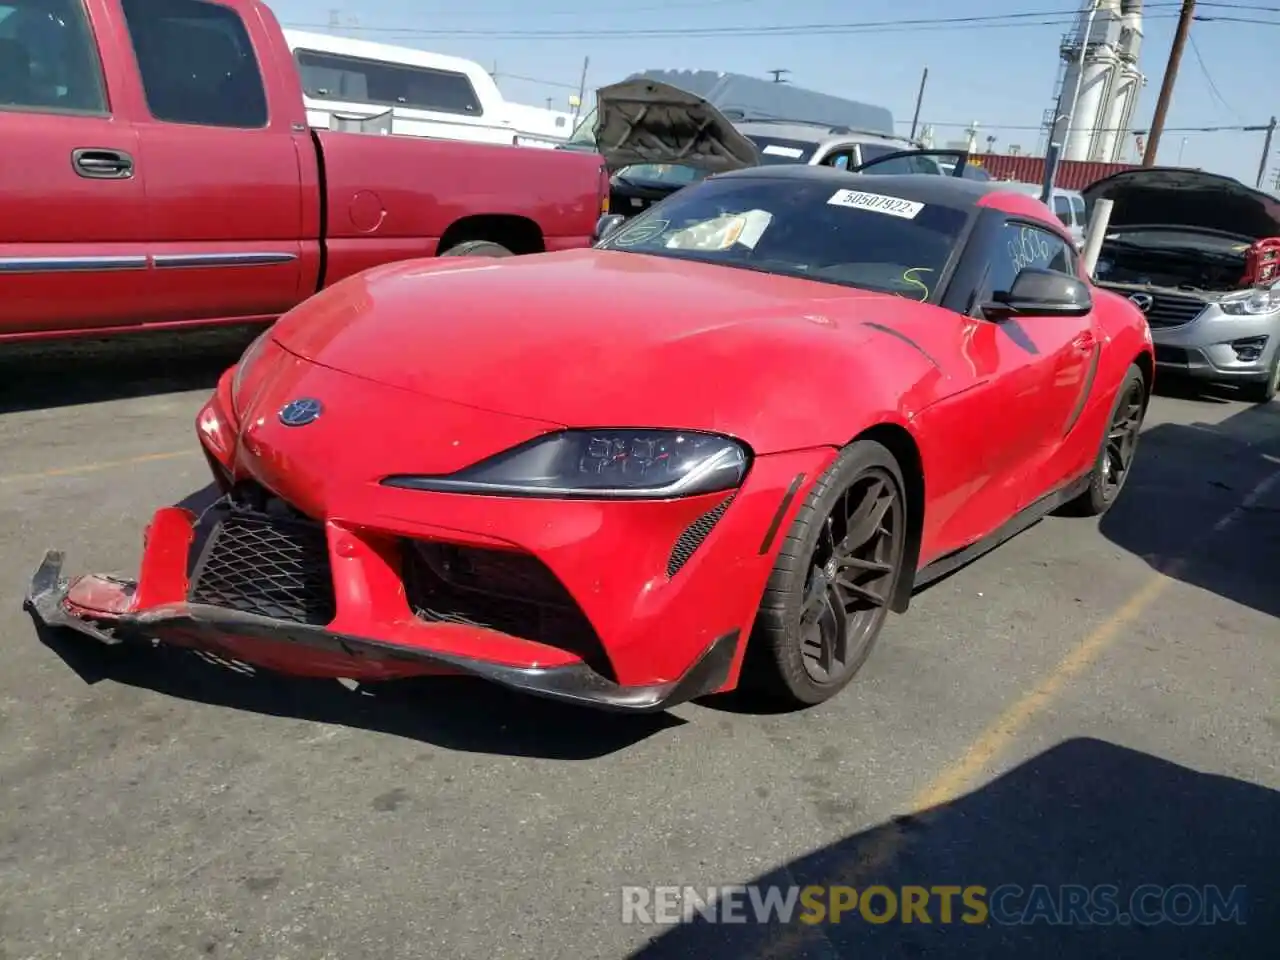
246,361
1251,303
635,464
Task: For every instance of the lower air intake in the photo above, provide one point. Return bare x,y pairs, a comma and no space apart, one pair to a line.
693,535
267,566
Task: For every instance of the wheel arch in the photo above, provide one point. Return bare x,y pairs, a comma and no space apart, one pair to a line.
518,234
1147,364
898,440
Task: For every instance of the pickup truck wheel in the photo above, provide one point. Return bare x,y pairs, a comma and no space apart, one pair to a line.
477,248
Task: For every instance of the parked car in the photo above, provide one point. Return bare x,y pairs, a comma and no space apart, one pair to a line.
657,139
1198,253
159,170
793,397
1068,206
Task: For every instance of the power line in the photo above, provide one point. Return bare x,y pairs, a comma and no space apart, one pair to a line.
987,21
1213,87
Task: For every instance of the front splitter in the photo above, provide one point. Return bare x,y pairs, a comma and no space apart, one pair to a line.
212,628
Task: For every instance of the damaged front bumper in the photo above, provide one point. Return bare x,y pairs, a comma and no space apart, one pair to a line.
114,611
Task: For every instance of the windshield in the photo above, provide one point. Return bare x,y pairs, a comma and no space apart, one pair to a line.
584,134
660,174
777,150
814,230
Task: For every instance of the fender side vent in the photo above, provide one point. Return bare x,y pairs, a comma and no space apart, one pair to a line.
693,535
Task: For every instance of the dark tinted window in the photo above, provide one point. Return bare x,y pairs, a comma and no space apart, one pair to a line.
1020,245
1062,207
332,76
197,63
811,229
48,60
776,150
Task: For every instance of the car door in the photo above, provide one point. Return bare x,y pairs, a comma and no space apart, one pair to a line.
72,223
1068,351
223,179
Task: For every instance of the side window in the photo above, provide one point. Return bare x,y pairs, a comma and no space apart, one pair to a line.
841,159
1019,245
1062,207
1077,207
48,58
334,76
197,63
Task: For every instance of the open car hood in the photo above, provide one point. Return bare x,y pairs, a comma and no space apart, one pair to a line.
1175,197
645,121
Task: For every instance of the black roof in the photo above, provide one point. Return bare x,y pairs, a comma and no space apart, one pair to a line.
922,187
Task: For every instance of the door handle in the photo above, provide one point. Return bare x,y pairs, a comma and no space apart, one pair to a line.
96,163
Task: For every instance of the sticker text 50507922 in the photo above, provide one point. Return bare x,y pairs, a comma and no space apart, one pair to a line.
894,206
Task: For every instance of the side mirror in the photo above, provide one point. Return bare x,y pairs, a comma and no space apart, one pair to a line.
1041,293
606,225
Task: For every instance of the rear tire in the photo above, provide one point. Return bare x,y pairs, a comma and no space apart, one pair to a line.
1115,455
477,248
829,593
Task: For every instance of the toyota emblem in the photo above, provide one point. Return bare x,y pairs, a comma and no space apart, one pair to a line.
300,412
1142,301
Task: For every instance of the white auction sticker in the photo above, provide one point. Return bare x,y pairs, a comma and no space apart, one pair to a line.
894,206
790,153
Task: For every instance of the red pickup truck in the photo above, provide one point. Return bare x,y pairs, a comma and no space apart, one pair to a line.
157,170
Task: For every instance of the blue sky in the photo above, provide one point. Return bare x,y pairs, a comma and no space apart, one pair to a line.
1001,76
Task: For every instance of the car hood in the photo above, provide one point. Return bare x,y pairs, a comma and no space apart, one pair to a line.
646,121
590,337
1190,199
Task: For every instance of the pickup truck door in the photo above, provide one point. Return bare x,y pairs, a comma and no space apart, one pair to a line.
73,252
224,191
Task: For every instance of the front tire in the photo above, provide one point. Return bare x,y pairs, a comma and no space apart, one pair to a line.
1119,444
829,593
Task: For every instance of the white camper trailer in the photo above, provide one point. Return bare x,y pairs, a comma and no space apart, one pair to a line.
379,88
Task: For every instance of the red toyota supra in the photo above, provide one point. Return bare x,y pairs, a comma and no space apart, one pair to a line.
713,451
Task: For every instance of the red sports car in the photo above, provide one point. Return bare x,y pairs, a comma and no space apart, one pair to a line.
715,450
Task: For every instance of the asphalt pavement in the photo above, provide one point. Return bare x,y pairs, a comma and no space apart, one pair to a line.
1092,704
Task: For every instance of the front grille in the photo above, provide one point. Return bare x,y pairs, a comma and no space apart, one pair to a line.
513,593
269,566
693,535
1168,309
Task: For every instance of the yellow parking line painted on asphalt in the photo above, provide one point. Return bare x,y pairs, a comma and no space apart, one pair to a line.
864,862
95,467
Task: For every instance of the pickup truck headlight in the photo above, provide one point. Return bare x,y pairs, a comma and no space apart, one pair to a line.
599,464
1251,303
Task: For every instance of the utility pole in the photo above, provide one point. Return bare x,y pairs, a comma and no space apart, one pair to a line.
1266,152
1170,77
777,75
582,90
915,118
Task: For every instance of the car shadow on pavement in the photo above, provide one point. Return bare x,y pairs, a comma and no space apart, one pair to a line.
51,374
1055,831
456,713
1186,479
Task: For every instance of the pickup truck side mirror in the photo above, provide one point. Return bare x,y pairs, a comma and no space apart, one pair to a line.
1040,293
606,225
